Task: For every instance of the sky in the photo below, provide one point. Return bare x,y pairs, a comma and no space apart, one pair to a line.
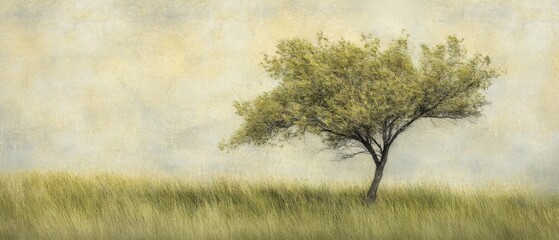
146,87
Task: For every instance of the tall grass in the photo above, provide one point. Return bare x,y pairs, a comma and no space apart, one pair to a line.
62,206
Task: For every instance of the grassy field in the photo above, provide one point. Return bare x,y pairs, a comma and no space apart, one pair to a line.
62,206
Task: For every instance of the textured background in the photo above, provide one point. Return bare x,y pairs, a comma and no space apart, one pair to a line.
146,87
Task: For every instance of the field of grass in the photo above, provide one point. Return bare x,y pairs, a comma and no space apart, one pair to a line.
63,206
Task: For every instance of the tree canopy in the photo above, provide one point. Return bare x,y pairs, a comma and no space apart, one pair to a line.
359,97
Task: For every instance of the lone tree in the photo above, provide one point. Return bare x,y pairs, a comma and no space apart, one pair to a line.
358,98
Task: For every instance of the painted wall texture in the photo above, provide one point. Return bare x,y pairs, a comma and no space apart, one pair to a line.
147,87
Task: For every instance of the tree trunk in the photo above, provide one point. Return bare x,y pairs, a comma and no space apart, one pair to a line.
372,194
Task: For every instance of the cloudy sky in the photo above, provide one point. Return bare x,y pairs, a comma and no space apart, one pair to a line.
147,87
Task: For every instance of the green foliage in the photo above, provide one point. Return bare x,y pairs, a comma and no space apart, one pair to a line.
61,206
359,95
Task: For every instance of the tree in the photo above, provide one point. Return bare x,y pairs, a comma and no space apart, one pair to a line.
358,98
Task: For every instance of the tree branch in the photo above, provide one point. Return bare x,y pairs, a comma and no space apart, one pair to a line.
350,155
376,143
337,134
372,152
426,110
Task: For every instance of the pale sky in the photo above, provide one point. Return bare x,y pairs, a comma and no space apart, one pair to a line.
147,87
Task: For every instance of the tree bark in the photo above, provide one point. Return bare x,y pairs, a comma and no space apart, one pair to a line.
379,163
372,193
